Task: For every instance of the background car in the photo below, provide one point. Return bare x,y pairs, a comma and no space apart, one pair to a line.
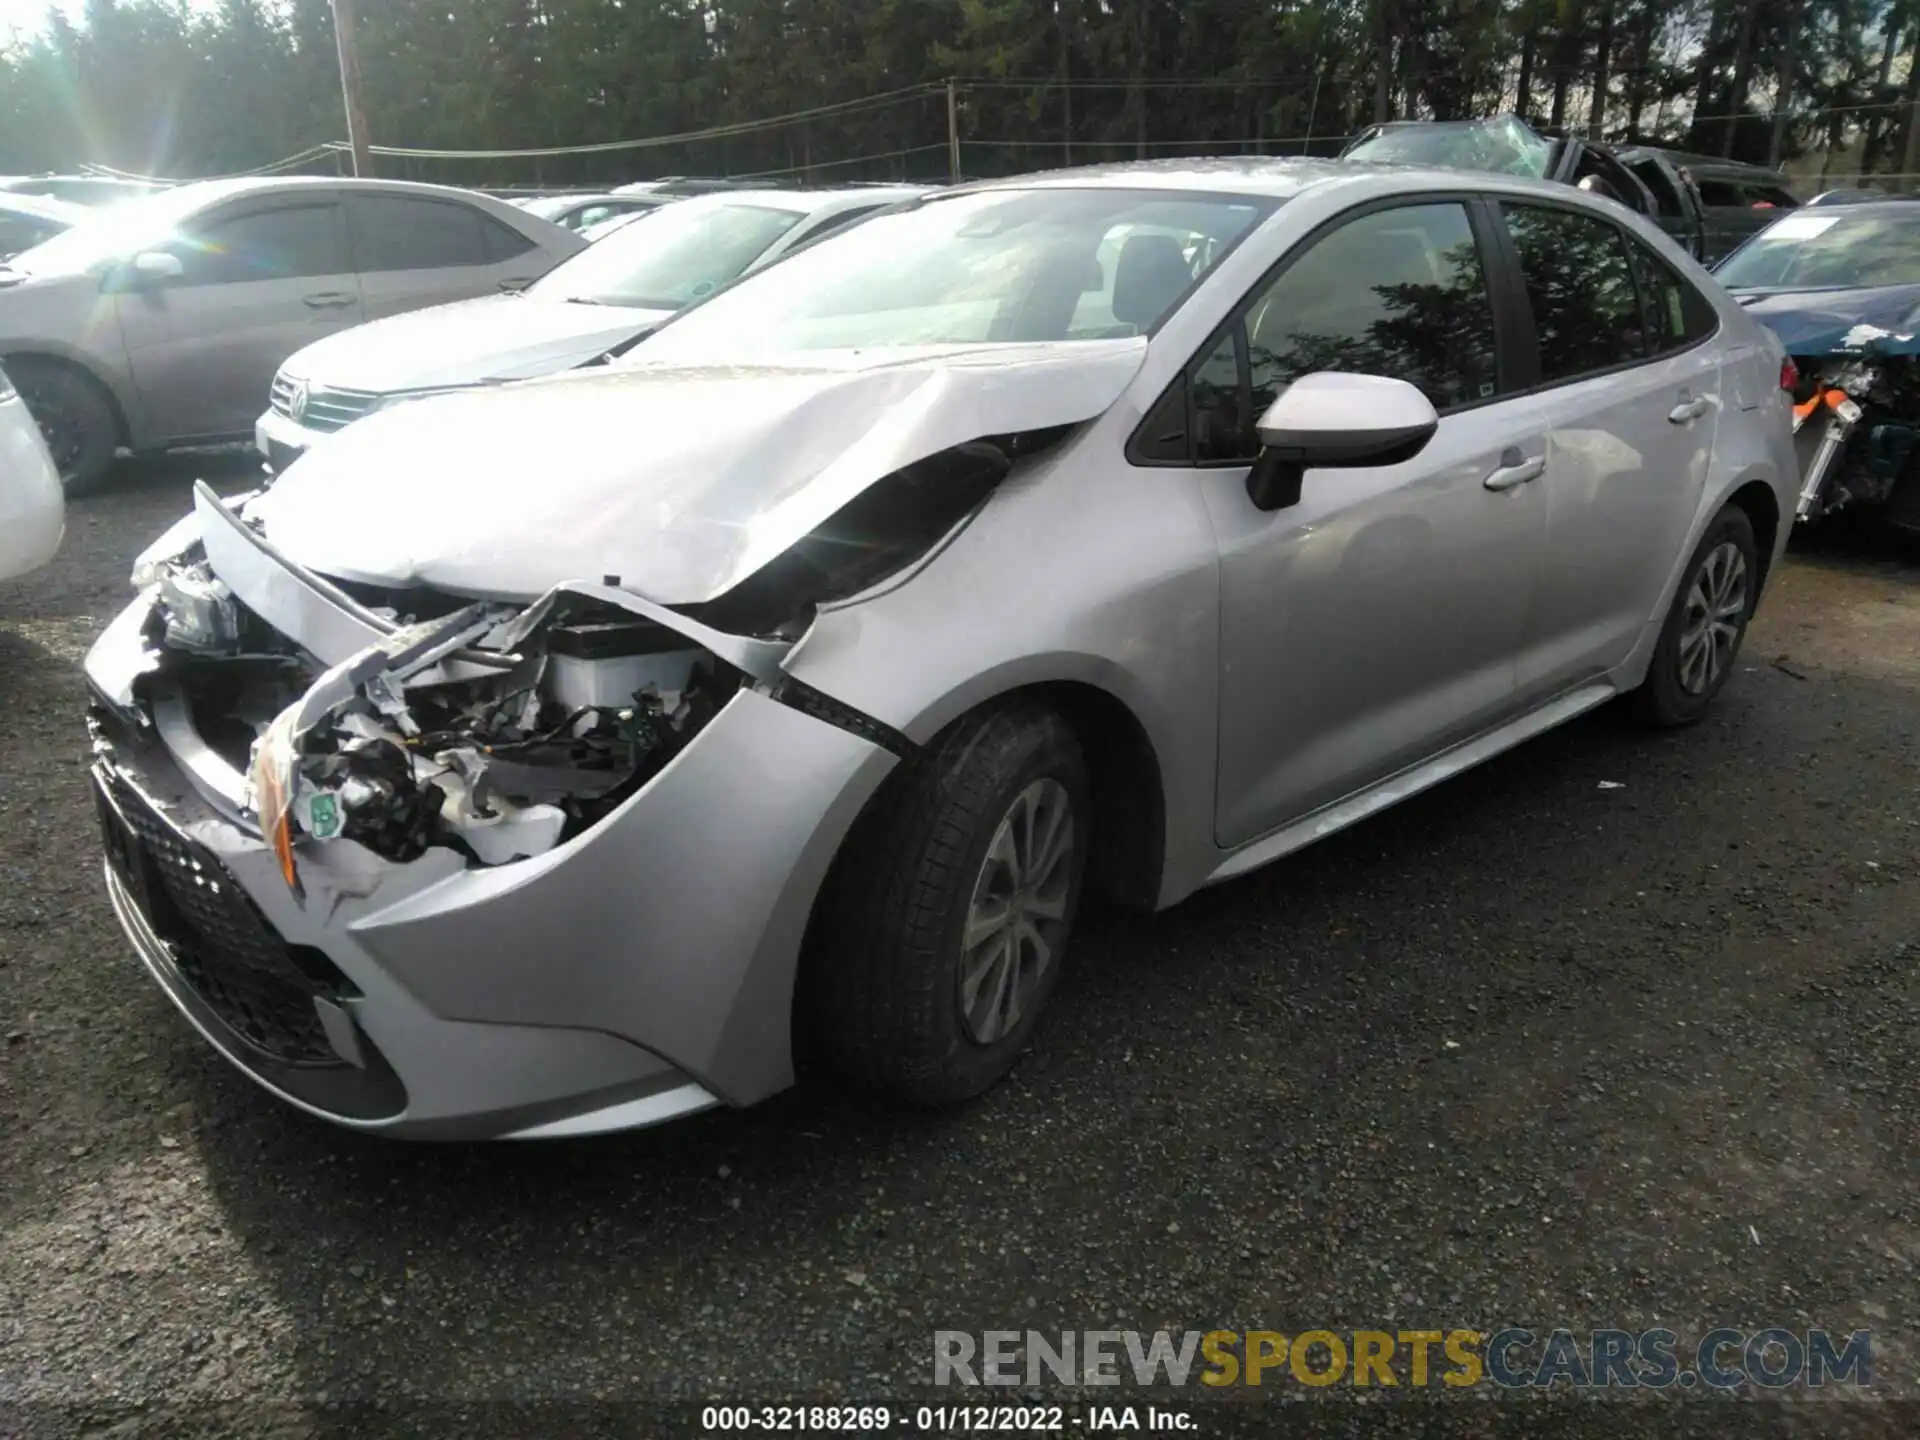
580,212
1707,203
1507,145
1114,531
162,321
30,220
606,298
32,507
1840,286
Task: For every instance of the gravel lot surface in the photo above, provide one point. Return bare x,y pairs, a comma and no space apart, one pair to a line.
1530,1049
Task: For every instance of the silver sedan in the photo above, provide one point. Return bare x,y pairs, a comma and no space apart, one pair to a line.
543,760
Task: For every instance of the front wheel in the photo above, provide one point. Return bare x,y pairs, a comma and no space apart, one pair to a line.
942,930
1704,628
75,418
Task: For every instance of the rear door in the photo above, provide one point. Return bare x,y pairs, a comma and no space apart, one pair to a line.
1631,389
260,279
412,251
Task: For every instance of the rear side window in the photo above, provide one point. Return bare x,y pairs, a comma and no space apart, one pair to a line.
285,243
1677,314
1579,279
394,232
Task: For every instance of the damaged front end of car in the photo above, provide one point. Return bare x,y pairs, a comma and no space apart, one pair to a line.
1856,418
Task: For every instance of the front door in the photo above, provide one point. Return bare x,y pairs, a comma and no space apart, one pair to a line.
256,284
1632,397
1375,622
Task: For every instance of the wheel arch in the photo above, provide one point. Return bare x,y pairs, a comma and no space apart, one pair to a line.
44,353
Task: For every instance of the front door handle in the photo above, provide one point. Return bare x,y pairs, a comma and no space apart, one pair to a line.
1688,410
330,300
1515,471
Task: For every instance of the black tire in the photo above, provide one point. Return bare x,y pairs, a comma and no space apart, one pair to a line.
75,416
1675,693
884,966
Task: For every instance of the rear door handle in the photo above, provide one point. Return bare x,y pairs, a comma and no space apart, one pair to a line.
1514,471
330,300
1688,410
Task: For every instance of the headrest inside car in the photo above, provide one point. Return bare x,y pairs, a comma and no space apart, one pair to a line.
1150,275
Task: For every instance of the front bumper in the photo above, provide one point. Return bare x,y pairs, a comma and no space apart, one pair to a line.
281,441
644,969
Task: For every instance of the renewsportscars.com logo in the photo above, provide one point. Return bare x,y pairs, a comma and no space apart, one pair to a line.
1512,1359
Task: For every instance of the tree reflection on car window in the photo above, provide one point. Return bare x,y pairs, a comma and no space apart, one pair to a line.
1586,311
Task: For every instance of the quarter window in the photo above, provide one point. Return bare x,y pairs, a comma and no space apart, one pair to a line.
1677,313
1586,311
283,244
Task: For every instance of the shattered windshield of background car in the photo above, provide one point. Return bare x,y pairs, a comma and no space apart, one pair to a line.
1503,146
1839,252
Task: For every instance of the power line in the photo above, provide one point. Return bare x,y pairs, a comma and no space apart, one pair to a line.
831,164
712,132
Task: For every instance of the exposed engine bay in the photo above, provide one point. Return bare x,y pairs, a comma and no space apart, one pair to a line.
488,727
1857,416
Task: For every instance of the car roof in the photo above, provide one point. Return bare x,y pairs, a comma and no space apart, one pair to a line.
44,207
1270,176
1893,206
804,202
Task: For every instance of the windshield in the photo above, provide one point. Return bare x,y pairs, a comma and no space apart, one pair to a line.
548,206
994,267
114,233
1504,146
1829,250
685,253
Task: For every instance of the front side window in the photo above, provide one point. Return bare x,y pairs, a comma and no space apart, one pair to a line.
1586,311
1399,292
392,232
1012,266
281,244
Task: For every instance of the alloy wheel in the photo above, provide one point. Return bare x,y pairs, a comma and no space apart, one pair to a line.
1716,608
1016,923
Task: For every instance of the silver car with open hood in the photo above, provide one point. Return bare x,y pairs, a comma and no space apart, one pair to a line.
543,760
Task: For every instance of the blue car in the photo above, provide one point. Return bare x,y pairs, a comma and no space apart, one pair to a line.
1840,286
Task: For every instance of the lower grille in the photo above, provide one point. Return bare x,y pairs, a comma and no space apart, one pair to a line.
261,987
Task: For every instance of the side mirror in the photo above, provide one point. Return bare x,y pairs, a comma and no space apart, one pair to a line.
156,267
1331,419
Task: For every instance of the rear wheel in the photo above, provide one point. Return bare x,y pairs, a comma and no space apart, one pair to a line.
74,416
943,927
1703,630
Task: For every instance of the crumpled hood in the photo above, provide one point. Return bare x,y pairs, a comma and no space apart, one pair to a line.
496,337
679,480
1824,322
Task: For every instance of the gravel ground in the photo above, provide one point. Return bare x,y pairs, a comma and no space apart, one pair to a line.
1529,1049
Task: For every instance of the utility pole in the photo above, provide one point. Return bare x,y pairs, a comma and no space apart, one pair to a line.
953,129
350,86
